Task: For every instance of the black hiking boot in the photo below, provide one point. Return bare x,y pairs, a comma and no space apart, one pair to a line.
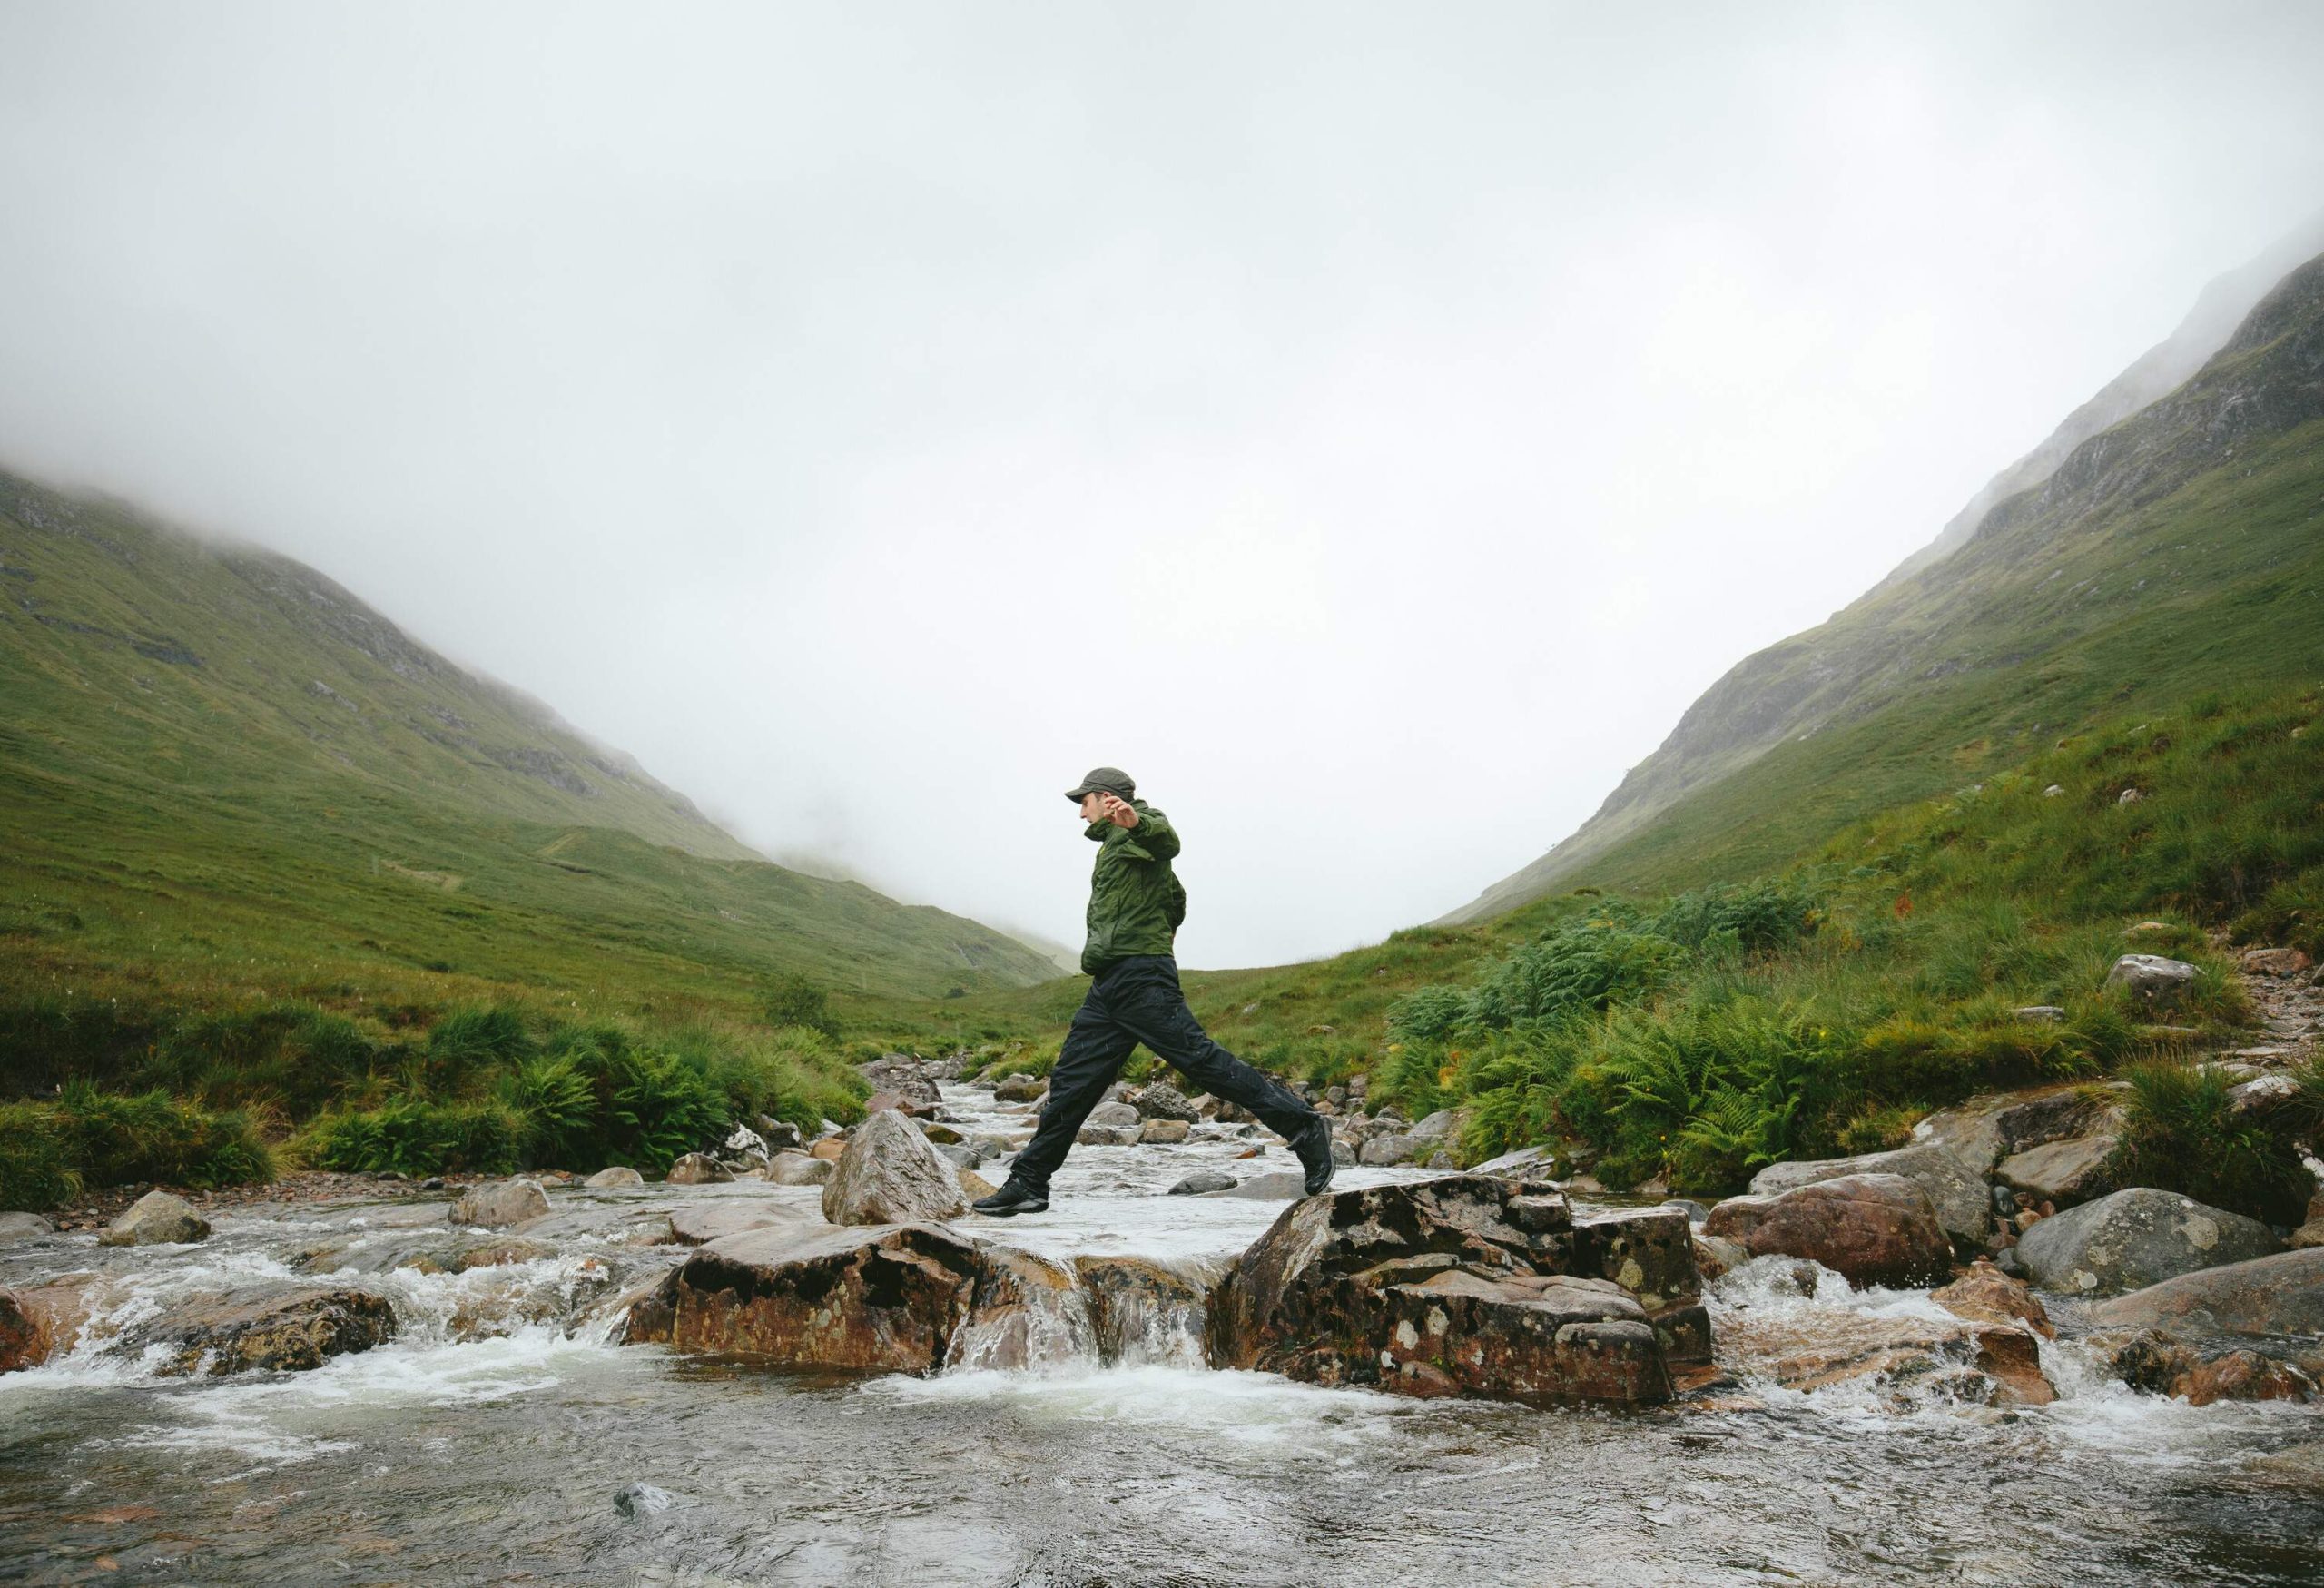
1011,1199
1314,1146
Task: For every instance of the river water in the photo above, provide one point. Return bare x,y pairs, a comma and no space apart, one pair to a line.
500,1438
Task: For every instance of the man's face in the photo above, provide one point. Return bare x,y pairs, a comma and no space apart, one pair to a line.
1093,806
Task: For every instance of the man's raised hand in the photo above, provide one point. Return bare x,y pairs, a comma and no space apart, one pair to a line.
1116,810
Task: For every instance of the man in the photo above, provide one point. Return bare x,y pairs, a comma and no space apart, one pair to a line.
1135,904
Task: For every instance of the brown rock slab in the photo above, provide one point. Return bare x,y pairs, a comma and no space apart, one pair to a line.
279,1331
1464,1285
1986,1295
1873,1230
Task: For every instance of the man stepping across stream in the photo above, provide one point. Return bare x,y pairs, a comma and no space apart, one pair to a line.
1136,903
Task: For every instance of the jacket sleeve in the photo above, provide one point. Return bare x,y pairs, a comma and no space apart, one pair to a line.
1155,835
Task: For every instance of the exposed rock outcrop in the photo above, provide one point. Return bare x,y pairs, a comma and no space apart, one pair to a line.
1464,1285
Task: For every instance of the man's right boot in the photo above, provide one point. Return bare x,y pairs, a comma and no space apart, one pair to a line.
1011,1199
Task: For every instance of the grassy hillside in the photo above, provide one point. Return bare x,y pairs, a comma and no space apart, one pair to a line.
224,778
2176,551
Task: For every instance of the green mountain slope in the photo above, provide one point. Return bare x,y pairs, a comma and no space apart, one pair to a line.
2173,552
224,777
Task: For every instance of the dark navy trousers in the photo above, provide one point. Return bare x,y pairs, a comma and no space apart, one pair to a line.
1137,999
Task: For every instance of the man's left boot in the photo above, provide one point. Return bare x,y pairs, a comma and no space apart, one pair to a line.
1314,1146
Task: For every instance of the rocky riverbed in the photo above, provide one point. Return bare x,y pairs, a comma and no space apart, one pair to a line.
350,1386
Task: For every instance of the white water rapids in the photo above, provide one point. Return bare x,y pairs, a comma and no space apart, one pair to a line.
489,1442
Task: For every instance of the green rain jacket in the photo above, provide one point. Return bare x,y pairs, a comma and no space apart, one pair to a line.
1135,902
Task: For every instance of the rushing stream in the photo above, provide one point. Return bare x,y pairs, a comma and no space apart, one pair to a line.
500,1438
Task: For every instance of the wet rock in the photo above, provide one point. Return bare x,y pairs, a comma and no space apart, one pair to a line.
500,1204
1114,1114
1963,1205
698,1169
1019,1089
2246,1376
498,1253
1281,1186
777,1134
1201,1181
701,1223
1650,1252
883,1102
1458,1286
1905,1361
1107,1136
942,1135
606,1179
1986,1295
18,1227
1143,1312
1876,1230
2156,984
279,1331
1715,1255
641,1500
1163,1132
2067,1173
156,1218
888,1298
2278,1296
2134,1238
891,1174
798,1168
36,1322
972,1184
1158,1100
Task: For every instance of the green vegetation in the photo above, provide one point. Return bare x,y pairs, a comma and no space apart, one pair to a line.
2175,554
2185,1136
227,783
484,1090
49,1151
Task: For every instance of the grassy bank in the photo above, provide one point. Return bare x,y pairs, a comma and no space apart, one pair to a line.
104,1096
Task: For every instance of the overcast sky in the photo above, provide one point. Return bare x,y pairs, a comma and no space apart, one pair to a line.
1370,425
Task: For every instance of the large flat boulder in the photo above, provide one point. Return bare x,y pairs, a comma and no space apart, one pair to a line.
1464,1285
890,1174
894,1298
2277,1295
1964,1206
1873,1229
2134,1238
